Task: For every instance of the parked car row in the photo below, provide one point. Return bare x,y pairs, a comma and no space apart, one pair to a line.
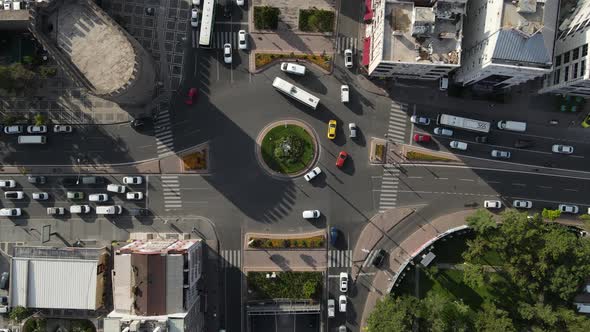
32,129
524,204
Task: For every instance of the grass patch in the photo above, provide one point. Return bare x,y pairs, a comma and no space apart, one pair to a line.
413,155
266,17
263,59
269,144
316,20
265,243
286,285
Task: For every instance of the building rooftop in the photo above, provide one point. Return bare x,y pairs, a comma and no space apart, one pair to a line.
423,34
527,32
157,246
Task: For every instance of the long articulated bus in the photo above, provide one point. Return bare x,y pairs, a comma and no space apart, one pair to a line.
207,16
463,123
296,93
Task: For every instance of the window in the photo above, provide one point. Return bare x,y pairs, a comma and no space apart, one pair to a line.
575,70
583,68
566,57
556,77
558,61
566,74
575,54
585,50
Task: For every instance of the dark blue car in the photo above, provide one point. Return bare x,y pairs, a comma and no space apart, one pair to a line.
333,235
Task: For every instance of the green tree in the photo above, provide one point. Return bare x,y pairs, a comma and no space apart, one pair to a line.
40,119
551,214
393,314
482,221
19,313
440,313
266,17
492,319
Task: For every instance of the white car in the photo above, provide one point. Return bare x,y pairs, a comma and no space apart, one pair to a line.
312,174
7,5
134,195
348,58
521,204
36,129
443,131
227,53
195,17
352,128
7,183
14,195
565,208
564,149
242,40
331,308
13,129
240,2
458,145
343,282
311,214
115,188
80,209
492,204
40,196
62,129
501,154
133,180
421,120
342,303
55,211
98,197
196,2
10,212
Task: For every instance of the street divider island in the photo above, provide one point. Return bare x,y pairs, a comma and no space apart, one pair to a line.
318,241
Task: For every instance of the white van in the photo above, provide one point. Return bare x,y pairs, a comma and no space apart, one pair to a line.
80,209
112,209
16,5
344,93
512,125
458,145
444,83
36,139
292,68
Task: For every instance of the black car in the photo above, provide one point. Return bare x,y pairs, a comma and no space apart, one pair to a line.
481,139
227,10
523,144
138,212
4,300
378,258
4,281
70,181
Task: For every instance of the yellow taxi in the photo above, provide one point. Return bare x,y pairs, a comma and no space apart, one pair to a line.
332,129
586,122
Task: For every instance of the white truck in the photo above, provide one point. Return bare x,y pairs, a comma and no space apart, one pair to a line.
292,68
463,123
512,125
344,94
331,308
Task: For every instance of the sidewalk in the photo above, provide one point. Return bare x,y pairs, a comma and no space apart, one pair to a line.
151,166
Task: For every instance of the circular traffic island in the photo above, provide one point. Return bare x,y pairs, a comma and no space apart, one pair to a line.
287,148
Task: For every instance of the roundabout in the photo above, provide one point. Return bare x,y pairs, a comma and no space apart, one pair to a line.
287,149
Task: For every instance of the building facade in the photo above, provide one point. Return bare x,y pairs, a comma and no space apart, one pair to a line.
570,73
156,287
507,42
414,39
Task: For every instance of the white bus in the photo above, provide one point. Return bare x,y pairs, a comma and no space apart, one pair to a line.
36,139
296,93
463,123
207,16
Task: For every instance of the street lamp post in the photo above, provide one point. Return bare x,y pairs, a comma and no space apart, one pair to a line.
79,171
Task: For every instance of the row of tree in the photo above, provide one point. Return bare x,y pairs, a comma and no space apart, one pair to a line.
544,264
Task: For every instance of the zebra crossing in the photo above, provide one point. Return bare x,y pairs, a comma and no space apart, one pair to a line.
389,186
398,120
171,189
339,258
219,38
231,258
343,43
164,137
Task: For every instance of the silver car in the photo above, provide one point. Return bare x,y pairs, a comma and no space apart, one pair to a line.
563,149
352,128
227,58
348,58
312,174
501,154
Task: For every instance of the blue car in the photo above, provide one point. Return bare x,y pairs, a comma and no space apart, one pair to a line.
333,235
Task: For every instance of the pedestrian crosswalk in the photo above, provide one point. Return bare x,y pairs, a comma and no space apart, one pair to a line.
230,258
219,38
164,137
171,189
339,258
389,186
343,43
398,120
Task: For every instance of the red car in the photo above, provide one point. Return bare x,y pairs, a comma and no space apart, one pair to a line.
421,138
192,95
341,159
